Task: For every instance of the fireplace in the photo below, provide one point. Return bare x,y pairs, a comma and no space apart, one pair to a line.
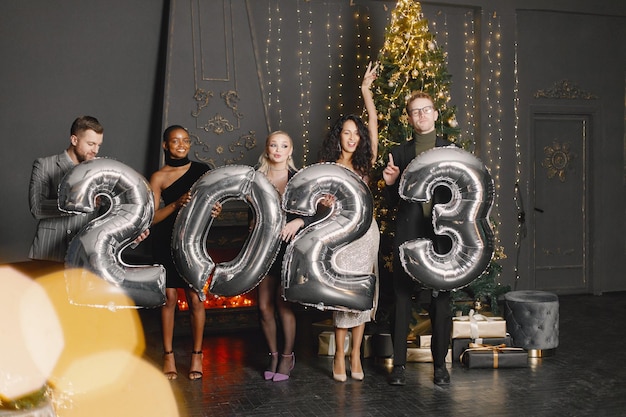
226,238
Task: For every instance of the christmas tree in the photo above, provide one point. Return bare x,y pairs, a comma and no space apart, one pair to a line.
410,60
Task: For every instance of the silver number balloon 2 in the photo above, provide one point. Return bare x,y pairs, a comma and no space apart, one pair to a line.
194,221
465,218
99,245
309,274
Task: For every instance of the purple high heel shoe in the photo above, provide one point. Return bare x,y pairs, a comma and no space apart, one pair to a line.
268,375
283,377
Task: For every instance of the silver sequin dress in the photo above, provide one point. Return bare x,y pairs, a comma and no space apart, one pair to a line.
359,256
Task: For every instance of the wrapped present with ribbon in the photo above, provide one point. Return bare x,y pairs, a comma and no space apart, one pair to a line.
476,326
421,354
423,340
460,345
494,357
327,345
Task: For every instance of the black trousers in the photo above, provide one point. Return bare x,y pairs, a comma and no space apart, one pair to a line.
440,313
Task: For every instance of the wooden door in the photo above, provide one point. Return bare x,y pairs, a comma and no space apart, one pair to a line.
559,202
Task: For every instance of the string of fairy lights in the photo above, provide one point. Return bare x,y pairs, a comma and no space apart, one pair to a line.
337,95
518,151
468,129
269,52
304,71
364,30
519,232
493,94
279,65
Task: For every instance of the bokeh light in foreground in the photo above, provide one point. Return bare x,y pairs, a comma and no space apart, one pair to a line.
100,371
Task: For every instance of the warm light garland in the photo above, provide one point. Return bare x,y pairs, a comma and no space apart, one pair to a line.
518,151
270,28
279,66
304,69
273,67
342,75
493,54
364,53
468,131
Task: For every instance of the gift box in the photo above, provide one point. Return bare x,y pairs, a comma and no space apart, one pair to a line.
327,345
420,326
421,354
423,340
493,357
460,345
475,326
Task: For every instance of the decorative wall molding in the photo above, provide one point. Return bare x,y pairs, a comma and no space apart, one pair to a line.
565,89
557,160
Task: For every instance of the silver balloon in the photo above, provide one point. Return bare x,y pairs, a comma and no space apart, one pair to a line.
310,275
99,245
193,223
465,218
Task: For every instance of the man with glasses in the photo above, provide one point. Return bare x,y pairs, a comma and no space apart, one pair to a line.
413,220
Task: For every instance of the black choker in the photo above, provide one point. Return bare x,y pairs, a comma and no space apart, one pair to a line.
175,162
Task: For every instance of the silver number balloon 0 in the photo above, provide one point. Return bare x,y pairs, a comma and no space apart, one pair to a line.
193,223
99,245
465,218
309,274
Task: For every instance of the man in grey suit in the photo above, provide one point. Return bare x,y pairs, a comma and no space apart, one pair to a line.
55,228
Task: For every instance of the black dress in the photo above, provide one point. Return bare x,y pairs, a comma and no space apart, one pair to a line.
162,231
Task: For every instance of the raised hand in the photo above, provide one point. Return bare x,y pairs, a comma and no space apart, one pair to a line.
369,76
391,172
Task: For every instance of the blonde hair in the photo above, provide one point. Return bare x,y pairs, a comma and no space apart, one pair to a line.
264,164
418,94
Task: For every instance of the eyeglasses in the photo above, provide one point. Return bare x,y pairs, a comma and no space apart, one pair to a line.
423,110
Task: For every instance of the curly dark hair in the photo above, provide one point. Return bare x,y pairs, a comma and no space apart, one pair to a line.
331,147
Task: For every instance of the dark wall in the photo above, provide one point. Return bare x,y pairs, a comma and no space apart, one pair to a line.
67,58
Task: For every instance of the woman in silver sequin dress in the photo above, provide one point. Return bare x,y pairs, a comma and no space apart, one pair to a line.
354,145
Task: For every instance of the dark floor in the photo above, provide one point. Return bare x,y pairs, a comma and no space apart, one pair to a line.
586,377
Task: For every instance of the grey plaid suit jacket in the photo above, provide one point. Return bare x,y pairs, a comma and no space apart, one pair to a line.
55,228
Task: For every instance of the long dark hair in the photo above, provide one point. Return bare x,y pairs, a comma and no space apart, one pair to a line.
331,147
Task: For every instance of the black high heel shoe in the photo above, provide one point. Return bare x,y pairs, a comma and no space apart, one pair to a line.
195,374
171,375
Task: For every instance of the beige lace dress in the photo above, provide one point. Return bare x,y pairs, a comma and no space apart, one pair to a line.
359,256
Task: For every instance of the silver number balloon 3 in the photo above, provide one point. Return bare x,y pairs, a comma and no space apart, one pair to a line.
465,218
99,245
193,223
309,274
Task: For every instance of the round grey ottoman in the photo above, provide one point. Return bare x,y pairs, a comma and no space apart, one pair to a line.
532,319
